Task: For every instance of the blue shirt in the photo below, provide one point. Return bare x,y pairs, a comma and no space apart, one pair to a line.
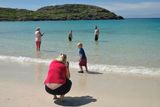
82,53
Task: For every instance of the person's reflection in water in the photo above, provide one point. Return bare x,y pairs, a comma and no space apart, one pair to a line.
38,54
38,69
38,73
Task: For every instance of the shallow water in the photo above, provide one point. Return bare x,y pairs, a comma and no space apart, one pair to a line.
129,43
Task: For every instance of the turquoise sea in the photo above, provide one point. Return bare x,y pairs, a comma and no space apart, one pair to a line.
130,45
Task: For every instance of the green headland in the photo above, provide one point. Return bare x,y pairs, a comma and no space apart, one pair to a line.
58,12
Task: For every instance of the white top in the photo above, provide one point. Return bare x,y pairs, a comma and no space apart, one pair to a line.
70,34
38,36
96,32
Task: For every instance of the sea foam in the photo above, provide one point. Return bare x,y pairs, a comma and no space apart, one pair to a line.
102,68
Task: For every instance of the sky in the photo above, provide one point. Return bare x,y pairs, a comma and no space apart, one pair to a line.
125,8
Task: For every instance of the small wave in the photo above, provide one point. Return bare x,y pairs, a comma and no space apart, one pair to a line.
102,68
23,60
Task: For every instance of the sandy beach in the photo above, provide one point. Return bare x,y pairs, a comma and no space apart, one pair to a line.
21,85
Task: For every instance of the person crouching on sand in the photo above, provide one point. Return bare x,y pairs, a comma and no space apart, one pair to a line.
83,58
57,81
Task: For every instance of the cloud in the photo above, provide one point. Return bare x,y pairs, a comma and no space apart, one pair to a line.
146,9
132,6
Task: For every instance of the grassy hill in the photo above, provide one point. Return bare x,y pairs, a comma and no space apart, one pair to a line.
58,12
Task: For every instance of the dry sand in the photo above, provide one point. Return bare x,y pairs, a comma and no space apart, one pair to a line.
22,86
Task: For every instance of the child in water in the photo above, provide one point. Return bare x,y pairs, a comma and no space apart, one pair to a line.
83,58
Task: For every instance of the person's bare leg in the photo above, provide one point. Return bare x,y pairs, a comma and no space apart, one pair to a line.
81,69
86,68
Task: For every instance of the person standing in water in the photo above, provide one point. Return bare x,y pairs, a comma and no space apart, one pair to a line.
70,36
38,36
96,33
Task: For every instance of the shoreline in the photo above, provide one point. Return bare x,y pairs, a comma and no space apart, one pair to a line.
102,68
22,85
78,20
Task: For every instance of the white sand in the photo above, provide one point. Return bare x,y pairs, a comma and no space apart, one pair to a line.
22,86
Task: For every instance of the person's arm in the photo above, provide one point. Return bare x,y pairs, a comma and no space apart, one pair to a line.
41,33
98,32
80,56
95,32
80,53
68,72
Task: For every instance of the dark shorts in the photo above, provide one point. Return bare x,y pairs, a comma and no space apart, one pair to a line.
83,62
62,90
70,39
96,37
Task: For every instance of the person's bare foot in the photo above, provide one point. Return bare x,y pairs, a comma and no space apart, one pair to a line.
80,71
61,97
55,97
